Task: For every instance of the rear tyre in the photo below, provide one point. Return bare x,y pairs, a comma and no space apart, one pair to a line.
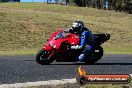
42,57
94,55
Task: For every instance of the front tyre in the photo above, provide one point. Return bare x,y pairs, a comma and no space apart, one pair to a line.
42,57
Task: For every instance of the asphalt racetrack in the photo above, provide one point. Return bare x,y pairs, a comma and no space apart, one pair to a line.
20,69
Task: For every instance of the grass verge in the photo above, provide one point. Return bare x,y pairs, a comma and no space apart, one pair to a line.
34,52
108,86
86,86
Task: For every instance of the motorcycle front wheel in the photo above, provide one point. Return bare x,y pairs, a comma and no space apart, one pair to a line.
43,57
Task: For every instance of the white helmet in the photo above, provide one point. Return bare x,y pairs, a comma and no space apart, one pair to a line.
77,25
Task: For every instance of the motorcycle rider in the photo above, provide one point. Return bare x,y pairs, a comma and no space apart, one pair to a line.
87,38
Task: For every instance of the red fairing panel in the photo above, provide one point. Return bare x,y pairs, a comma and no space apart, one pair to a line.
47,47
74,39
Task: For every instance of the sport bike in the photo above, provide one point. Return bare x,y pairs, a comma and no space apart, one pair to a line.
58,47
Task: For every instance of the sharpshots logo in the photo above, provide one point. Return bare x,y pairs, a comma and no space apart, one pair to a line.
84,78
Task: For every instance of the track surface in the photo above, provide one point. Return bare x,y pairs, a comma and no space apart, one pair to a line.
20,69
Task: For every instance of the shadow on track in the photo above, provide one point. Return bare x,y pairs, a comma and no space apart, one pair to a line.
92,64
113,64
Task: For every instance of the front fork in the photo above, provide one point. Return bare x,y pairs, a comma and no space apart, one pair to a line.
51,55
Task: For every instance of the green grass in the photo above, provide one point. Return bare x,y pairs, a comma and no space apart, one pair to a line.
118,50
129,85
107,86
19,52
25,27
86,86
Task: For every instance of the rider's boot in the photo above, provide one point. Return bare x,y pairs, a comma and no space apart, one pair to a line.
81,57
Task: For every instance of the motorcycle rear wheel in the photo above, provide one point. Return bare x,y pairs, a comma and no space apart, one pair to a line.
42,57
94,56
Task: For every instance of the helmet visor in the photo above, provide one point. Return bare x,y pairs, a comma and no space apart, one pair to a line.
75,25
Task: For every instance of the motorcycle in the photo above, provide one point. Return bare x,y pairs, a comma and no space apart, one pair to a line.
59,45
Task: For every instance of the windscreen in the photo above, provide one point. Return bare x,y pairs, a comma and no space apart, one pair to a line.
59,35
